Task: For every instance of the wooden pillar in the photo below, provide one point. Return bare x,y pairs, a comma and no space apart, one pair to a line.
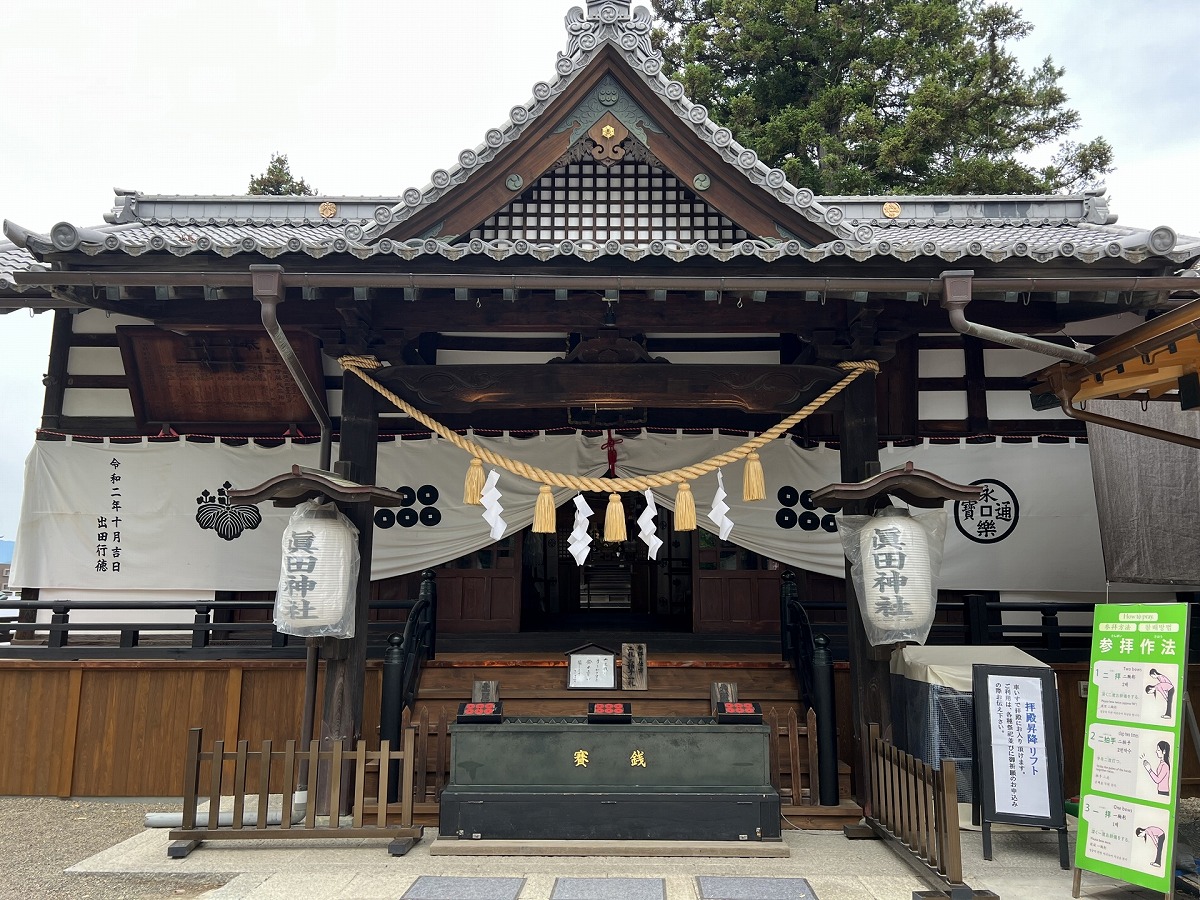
869,677
346,660
56,377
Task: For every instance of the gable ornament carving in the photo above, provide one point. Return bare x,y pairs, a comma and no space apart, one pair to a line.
607,100
608,134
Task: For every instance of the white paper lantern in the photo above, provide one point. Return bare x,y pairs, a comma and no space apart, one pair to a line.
895,558
318,577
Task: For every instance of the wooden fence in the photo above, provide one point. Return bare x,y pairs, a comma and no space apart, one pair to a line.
794,759
916,805
227,776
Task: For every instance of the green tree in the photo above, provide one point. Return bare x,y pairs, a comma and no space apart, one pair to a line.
880,96
278,180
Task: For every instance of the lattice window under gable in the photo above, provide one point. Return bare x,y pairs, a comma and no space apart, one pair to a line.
631,202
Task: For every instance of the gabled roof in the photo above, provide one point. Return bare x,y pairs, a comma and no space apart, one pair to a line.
608,40
610,66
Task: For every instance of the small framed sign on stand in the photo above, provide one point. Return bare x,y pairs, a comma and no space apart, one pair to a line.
591,668
1018,751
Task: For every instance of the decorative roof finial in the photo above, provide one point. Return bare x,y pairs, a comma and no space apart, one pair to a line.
608,11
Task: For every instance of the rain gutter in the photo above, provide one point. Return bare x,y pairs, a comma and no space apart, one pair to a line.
957,294
267,284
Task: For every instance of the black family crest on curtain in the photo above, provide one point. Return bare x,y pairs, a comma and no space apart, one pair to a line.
417,505
992,517
216,513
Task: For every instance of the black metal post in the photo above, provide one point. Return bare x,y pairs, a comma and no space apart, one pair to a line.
200,636
787,593
1051,630
391,708
60,616
428,591
827,759
976,613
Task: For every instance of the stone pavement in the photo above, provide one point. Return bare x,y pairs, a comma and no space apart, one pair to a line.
822,865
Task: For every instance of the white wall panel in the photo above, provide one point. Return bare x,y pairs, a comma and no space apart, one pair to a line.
102,403
941,364
1008,363
1016,405
95,361
495,358
97,321
942,405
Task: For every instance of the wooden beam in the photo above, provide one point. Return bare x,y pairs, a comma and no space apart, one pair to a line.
346,660
56,377
976,383
752,388
869,669
679,314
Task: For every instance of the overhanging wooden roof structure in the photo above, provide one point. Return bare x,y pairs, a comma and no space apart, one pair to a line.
1159,359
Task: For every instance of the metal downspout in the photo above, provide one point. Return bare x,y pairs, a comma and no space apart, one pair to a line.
956,294
267,283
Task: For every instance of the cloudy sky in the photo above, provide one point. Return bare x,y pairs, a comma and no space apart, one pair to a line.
189,97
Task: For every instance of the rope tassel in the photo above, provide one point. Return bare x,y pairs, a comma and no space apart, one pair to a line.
473,489
543,512
614,520
685,509
754,484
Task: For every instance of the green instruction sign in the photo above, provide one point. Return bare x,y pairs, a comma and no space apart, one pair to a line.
1131,749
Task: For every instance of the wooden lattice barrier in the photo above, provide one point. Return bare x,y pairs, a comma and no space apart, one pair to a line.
794,759
228,774
917,805
432,768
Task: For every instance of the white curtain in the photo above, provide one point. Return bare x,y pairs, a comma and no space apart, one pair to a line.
112,516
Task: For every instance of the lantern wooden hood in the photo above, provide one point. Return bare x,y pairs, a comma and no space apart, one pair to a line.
302,484
915,487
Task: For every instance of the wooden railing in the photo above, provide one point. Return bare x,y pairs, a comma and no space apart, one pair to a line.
132,632
1052,632
229,774
916,805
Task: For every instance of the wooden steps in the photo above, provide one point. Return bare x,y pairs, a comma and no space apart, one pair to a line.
679,685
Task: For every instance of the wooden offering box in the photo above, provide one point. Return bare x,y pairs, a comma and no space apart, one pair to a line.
651,779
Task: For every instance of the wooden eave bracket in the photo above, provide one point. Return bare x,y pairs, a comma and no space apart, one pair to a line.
1129,361
1065,388
303,484
915,487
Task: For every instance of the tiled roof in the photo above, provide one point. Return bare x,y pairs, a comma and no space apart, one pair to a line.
1040,228
1084,241
14,259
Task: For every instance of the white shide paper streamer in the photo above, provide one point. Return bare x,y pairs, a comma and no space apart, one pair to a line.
719,509
646,524
492,510
580,542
